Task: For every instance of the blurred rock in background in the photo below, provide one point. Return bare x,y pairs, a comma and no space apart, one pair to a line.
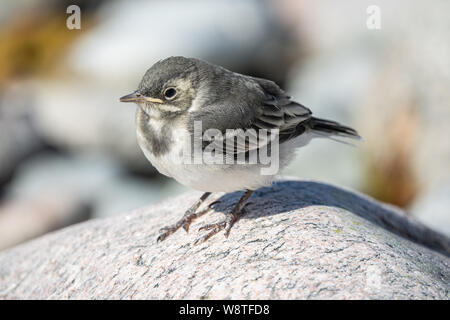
64,131
19,139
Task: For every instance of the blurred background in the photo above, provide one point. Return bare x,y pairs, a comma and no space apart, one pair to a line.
68,150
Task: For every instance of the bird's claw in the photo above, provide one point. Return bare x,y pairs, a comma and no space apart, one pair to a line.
162,236
212,226
184,222
167,231
213,203
215,228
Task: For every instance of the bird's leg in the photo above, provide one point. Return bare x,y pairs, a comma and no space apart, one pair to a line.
187,218
228,222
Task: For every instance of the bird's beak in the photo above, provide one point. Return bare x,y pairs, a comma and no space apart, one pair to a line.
136,97
132,97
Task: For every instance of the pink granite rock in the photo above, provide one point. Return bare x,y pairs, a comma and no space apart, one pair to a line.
300,240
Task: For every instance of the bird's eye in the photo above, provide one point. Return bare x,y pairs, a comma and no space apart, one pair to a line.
170,93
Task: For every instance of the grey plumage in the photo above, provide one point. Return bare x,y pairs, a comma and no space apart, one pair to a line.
258,103
157,142
165,70
234,101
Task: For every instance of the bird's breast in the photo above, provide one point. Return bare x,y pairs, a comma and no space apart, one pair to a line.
162,142
155,136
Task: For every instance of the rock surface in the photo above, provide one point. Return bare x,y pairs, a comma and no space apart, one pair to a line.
299,240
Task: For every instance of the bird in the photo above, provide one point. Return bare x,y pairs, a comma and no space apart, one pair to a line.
186,104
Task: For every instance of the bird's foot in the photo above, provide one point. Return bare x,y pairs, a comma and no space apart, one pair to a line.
184,222
226,225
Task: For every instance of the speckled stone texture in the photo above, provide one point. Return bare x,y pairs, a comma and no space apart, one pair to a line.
300,240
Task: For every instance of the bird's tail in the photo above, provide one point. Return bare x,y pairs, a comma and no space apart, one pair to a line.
329,128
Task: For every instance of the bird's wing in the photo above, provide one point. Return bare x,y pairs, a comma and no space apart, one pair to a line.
278,111
270,109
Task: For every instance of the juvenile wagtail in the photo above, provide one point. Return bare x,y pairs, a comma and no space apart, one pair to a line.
239,118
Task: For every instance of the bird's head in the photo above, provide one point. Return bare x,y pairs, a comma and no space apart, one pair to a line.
168,88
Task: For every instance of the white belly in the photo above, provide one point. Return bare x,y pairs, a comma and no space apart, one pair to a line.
216,177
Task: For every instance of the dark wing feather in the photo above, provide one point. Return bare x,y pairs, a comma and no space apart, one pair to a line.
278,111
270,108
